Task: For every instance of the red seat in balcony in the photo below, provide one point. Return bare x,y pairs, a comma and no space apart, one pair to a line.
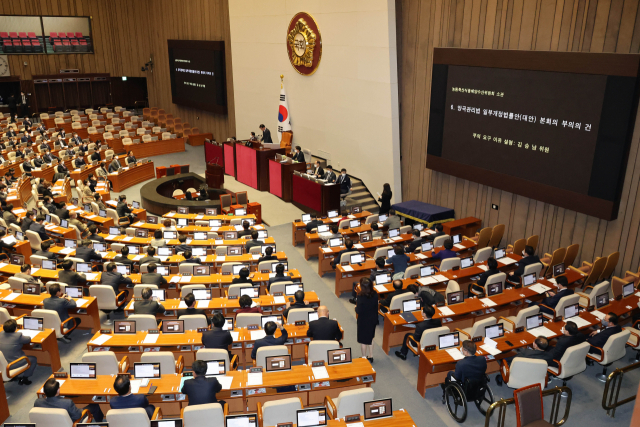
22,35
32,35
13,34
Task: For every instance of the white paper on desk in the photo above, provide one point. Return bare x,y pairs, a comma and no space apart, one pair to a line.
138,224
238,227
421,256
11,296
446,311
356,424
91,216
218,241
101,340
185,279
327,250
135,386
91,276
235,335
182,304
279,300
539,288
347,268
542,330
507,261
491,350
34,269
80,302
320,372
170,214
459,246
488,302
395,239
358,246
214,228
202,303
66,251
4,264
18,211
580,322
138,257
150,339
224,381
256,335
9,240
482,267
132,305
455,353
174,279
427,281
221,258
600,315
637,293
553,281
490,343
335,219
440,278
380,288
254,378
255,256
128,239
29,333
200,216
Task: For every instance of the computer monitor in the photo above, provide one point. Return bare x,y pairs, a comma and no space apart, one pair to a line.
382,279
123,269
382,218
278,363
146,370
418,226
246,420
411,305
356,209
339,356
627,289
216,367
99,247
571,311
199,251
356,258
135,205
114,231
602,300
335,242
558,269
332,213
152,220
169,235
426,271
142,233
17,259
263,248
235,268
102,213
275,265
394,232
240,212
202,294
211,211
182,222
455,297
306,218
85,371
31,288
47,218
172,326
228,324
311,417
159,294
133,249
354,223
215,223
48,264
165,251
201,270
83,267
33,323
124,327
448,340
466,262
390,253
322,228
183,210
290,290
426,246
20,236
200,235
87,207
365,236
167,422
534,321
230,235
529,279
494,289
74,291
499,253
70,243
271,318
375,409
252,291
456,238
312,315
262,234
494,331
234,250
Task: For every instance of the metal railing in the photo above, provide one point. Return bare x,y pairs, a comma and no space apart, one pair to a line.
611,392
501,407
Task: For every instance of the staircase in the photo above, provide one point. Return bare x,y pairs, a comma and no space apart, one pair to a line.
360,196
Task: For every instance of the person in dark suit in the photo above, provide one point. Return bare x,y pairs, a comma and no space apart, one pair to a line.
415,244
539,352
330,175
492,265
367,311
11,343
38,227
27,221
299,302
11,102
114,166
151,251
253,242
216,337
149,304
385,199
54,401
11,133
298,155
529,258
318,172
243,277
446,252
66,275
62,211
123,208
112,278
151,277
553,298
599,338
48,158
190,301
182,246
126,400
45,146
123,258
268,255
397,290
86,253
429,323
571,336
38,162
8,215
400,262
472,367
61,303
131,158
348,247
79,162
266,135
245,230
314,223
27,166
93,234
439,232
279,277
26,138
189,258
269,340
344,181
75,139
380,263
201,390
324,328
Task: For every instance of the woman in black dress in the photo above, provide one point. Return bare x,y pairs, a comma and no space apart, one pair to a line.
367,311
385,199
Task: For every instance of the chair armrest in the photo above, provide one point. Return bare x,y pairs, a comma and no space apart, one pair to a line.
331,408
121,302
157,414
65,321
27,366
234,363
583,295
510,247
587,287
18,317
637,339
472,291
575,269
123,365
84,418
411,338
225,409
587,263
546,255
160,325
505,372
306,354
513,324
601,354
182,412
180,364
631,273
463,332
559,368
259,411
552,309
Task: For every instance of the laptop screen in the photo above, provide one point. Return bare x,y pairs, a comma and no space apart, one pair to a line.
457,238
499,253
172,326
17,259
114,231
133,249
102,213
418,226
228,324
365,236
201,294
74,291
382,218
199,251
332,213
529,279
33,323
455,297
377,409
354,223
290,290
273,318
253,292
82,371
278,363
322,228
124,327
494,289
571,311
627,289
247,420
235,269
216,367
123,269
394,232
234,250
158,293
211,211
411,305
427,270
356,258
494,331
215,223
339,356
383,278
534,321
31,288
169,235
263,234
182,222
312,315
602,300
306,218
99,247
183,210
142,233
70,243
277,263
200,235
449,340
240,212
263,248
558,269
311,417
146,370
48,264
162,270
466,262
427,246
390,253
356,209
335,242
165,251
230,235
152,219
200,270
135,205
171,422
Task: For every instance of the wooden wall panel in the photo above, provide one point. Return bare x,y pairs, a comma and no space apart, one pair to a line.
559,25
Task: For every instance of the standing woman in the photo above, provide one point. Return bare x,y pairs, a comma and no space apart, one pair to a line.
385,199
367,311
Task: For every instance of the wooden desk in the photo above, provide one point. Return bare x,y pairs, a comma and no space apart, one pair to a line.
4,405
128,177
299,228
155,148
44,173
82,174
229,149
226,219
44,347
400,418
253,165
280,177
198,138
465,226
315,196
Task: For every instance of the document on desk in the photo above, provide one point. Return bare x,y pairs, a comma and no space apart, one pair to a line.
446,311
327,250
553,281
81,301
135,386
185,279
11,296
539,288
347,268
235,335
440,278
488,302
542,330
128,238
600,315
202,303
358,246
91,276
507,261
256,335
421,256
4,264
101,340
482,267
174,279
219,242
150,339
380,288
427,281
491,350
279,300
138,257
254,378
455,353
29,333
182,304
395,239
221,258
171,214
9,240
579,321
199,216
224,381
66,251
255,256
459,246
320,372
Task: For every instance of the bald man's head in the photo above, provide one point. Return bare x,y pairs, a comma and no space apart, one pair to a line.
323,311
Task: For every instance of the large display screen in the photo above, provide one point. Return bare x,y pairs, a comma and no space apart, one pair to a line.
552,126
197,70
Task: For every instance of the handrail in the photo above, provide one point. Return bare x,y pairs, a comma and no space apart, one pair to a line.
556,392
613,384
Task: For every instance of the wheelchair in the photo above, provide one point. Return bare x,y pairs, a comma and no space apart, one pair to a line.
457,395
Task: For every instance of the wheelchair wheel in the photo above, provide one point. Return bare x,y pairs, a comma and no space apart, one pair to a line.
456,402
483,402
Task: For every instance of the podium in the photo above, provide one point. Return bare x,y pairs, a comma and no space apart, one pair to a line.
214,175
252,165
314,195
280,177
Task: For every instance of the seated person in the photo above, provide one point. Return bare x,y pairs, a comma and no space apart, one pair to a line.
201,390
324,329
243,277
189,259
190,302
11,344
268,255
335,232
123,209
126,400
53,400
245,231
68,276
539,351
245,303
45,250
570,336
157,240
149,304
392,221
329,174
112,278
553,298
25,273
62,211
472,367
492,266
446,252
38,227
99,202
318,172
348,247
429,296
93,234
279,277
400,262
269,340
439,232
61,303
415,244
298,155
429,323
182,246
216,337
528,258
599,338
376,233
123,258
299,302
397,290
167,225
314,223
151,277
253,242
86,253
73,219
79,162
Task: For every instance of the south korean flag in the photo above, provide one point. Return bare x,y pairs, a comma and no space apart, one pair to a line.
284,121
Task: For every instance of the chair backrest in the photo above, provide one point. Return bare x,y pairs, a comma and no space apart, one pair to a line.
430,336
529,405
166,359
381,252
571,254
533,268
51,320
565,302
452,286
34,240
279,287
187,289
128,417
273,350
482,255
202,415
344,223
372,219
599,289
4,314
521,317
242,198
50,417
317,350
221,250
596,271
412,270
612,262
518,246
194,321
227,267
144,322
297,314
533,241
186,267
483,237
351,402
439,241
245,319
405,229
234,290
225,200
105,296
214,354
396,301
614,349
496,235
494,278
556,258
106,362
573,360
477,330
449,263
137,289
524,372
281,411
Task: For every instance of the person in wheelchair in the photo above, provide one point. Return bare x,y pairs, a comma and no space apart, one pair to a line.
472,367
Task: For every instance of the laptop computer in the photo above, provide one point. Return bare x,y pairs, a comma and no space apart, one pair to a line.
146,370
448,340
338,356
277,318
202,294
251,291
494,331
85,371
216,367
278,363
375,409
124,327
494,289
311,417
33,323
172,326
455,297
290,290
244,420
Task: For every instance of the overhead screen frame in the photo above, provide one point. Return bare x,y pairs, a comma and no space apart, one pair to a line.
624,65
204,45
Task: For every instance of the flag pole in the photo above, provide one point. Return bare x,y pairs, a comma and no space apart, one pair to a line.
281,81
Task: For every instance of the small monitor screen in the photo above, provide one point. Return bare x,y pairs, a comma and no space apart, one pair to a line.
70,243
411,305
382,279
418,226
82,371
162,270
33,323
457,238
133,250
494,289
262,234
272,318
311,417
237,267
123,269
558,269
124,327
215,223
394,232
529,279
49,264
427,246
211,211
87,207
99,247
602,300
354,223
455,297
278,363
248,420
228,324
200,235
17,259
202,294
31,288
312,315
47,218
276,264
366,236
627,290
263,248
382,218
200,270
356,209
142,233
183,210
339,356
169,235
167,422
377,409
158,293
290,290
234,250
335,242
427,270
230,235
165,251
64,223
306,218
74,291
253,292
499,253
571,311
322,228
20,235
152,219
332,214
199,251
240,212
83,267
182,222
390,253
216,367
102,213
449,340
494,331
146,370
172,326
135,205
114,231
356,258
466,262
534,321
